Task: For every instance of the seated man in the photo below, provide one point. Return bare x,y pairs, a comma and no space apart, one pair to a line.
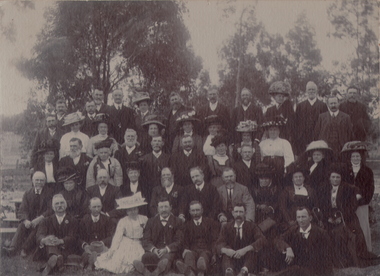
76,198
162,240
57,235
105,191
231,193
199,245
203,192
238,242
94,227
306,247
34,207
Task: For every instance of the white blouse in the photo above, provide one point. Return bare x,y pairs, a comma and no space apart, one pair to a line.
277,147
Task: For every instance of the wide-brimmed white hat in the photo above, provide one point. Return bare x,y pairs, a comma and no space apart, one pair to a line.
73,118
318,145
131,201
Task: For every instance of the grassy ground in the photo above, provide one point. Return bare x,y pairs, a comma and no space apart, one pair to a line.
15,182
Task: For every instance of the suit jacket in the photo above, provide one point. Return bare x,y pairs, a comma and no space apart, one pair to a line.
121,120
42,136
285,110
114,169
181,165
169,235
253,113
313,253
289,202
322,129
359,119
244,175
81,167
103,108
151,168
252,235
33,206
363,181
318,176
108,199
67,230
306,118
139,119
201,237
208,197
124,158
221,111
175,198
90,231
40,166
89,126
240,195
171,126
77,202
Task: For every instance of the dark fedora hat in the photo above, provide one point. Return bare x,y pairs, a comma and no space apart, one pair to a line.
107,143
67,173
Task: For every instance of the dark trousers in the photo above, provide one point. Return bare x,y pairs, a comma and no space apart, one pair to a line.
192,257
150,260
24,238
236,264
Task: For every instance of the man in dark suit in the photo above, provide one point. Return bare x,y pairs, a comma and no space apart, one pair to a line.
168,189
232,193
307,114
199,245
358,114
171,125
57,235
306,247
238,243
246,111
153,162
90,125
214,107
105,191
98,96
334,126
94,227
203,192
35,206
181,162
245,167
50,132
77,160
61,111
162,241
122,117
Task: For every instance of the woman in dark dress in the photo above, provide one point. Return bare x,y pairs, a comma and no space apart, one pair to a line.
187,125
219,160
358,174
153,126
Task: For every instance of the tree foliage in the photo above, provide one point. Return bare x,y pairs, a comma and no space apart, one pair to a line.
88,45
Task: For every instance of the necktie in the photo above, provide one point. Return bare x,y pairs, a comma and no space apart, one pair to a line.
304,234
198,223
198,188
230,193
238,235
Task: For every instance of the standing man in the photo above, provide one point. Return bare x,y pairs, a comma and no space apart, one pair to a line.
143,102
358,114
57,235
200,235
171,126
122,117
334,126
246,111
239,243
232,193
307,114
306,247
90,125
35,206
214,107
50,132
98,96
162,241
61,111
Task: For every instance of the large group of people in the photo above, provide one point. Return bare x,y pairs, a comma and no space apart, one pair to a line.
201,190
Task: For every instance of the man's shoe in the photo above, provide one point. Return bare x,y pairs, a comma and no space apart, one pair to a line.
229,272
60,262
181,266
201,264
161,266
23,254
140,267
243,272
51,263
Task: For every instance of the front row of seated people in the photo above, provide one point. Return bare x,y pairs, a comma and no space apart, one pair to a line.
194,227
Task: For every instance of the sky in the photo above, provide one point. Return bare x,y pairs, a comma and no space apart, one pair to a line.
207,27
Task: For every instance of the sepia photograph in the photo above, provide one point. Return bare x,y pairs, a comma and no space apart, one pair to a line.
198,137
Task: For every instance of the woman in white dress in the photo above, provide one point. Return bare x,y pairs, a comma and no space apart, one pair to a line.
126,243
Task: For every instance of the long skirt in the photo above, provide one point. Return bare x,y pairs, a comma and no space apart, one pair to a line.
121,259
363,216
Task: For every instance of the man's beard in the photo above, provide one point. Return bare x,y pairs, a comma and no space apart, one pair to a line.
166,183
74,154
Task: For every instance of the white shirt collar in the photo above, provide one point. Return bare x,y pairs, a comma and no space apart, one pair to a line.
157,154
248,163
95,218
118,106
76,159
213,106
161,218
245,107
312,102
169,189
334,113
187,153
306,233
199,220
237,226
60,219
129,150
143,114
300,190
102,190
200,186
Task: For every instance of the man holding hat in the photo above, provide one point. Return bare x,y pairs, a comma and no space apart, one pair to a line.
122,117
35,206
104,161
73,120
95,233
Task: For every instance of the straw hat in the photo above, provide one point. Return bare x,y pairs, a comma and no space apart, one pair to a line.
352,146
318,145
247,126
73,118
131,201
153,119
277,121
140,97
